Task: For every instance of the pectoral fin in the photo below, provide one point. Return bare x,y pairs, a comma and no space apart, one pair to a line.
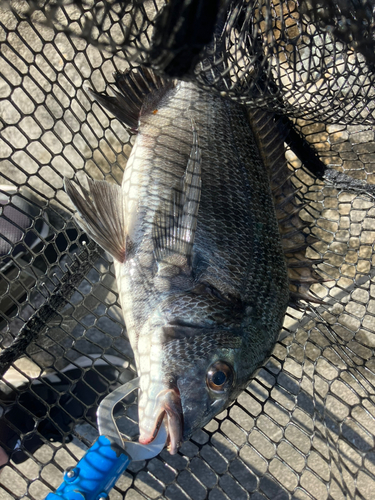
176,221
101,211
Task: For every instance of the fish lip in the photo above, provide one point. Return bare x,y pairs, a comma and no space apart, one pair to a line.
168,404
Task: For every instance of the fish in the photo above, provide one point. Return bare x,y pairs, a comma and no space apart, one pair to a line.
201,231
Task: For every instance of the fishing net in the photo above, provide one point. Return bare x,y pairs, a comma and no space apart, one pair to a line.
305,427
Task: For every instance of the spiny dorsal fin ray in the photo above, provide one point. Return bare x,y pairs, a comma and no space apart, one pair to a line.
269,140
176,221
294,239
132,88
303,263
296,298
102,217
283,217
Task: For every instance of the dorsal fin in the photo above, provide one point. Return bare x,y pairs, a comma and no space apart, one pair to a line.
132,87
102,217
293,238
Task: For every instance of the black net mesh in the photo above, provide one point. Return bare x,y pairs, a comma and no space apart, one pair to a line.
307,59
305,427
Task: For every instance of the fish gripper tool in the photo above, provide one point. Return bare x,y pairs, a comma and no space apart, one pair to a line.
102,465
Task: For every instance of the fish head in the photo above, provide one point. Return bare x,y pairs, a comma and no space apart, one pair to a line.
207,385
199,373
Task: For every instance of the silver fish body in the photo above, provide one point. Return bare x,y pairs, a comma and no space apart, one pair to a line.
199,262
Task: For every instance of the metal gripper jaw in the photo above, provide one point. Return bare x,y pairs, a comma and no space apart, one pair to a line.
102,465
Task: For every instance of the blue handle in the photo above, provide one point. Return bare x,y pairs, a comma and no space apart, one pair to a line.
95,474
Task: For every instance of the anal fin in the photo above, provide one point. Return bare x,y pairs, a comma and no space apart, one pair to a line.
132,87
101,211
175,222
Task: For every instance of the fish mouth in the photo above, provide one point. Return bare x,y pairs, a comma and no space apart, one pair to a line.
167,405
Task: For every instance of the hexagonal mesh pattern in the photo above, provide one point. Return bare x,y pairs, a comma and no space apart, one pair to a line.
303,58
305,427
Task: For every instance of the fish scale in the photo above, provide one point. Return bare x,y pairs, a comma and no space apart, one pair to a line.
204,284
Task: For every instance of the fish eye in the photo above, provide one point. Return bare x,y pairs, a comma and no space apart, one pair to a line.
219,377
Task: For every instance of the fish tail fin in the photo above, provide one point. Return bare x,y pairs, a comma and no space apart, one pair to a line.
101,212
132,87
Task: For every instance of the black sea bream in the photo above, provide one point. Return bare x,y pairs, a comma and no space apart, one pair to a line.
199,260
